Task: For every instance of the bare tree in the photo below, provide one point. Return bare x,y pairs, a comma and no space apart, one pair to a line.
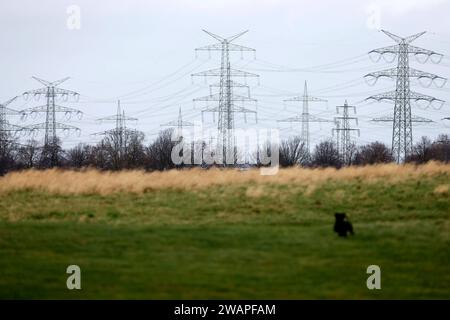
77,157
441,148
375,152
28,154
326,155
7,143
293,152
99,157
134,151
159,153
422,151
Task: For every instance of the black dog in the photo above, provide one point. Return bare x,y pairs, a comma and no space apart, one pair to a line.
342,225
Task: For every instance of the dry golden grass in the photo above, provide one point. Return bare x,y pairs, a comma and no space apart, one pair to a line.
442,189
96,182
255,191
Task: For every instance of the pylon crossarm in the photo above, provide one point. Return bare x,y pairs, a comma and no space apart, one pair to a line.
211,109
58,82
216,97
413,73
312,118
8,111
58,108
117,131
230,46
218,72
383,119
421,74
423,97
176,123
415,119
292,119
232,38
389,49
36,92
308,98
6,126
115,118
418,119
55,91
241,110
345,129
393,36
391,95
5,104
418,50
232,84
388,73
109,118
383,96
211,47
51,84
42,81
66,92
215,36
236,47
414,37
57,125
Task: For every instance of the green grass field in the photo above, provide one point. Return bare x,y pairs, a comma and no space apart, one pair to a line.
229,242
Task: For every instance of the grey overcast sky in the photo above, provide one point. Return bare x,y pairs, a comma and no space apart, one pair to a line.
142,52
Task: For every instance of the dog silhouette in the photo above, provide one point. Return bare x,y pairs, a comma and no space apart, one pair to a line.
342,225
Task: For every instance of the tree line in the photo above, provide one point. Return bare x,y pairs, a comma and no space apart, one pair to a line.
128,151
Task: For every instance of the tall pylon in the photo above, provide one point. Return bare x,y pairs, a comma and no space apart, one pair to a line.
402,137
305,118
120,133
179,123
51,125
226,98
343,132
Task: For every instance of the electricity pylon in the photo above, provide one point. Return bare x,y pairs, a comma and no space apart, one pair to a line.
343,132
120,133
50,126
402,96
7,128
179,123
305,118
225,96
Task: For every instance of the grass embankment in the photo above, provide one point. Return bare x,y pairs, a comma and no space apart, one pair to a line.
226,234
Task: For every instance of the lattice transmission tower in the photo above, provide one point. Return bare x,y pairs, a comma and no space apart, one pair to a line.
52,92
179,124
120,134
226,98
402,137
6,128
343,132
305,117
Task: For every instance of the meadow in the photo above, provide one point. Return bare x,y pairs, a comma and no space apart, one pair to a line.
226,234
